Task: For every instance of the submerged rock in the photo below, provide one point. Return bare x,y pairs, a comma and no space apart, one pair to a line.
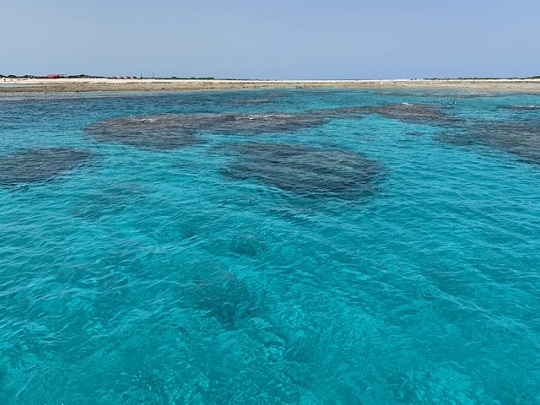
39,164
252,101
416,113
171,131
246,245
306,170
526,107
261,123
155,131
222,295
519,139
343,112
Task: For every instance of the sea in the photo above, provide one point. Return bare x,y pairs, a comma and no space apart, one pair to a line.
270,246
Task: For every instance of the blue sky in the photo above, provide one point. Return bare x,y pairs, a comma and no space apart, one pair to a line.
340,39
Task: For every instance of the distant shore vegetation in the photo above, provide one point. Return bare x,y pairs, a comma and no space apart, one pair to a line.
85,76
482,78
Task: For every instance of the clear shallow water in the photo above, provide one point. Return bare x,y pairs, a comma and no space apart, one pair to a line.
149,275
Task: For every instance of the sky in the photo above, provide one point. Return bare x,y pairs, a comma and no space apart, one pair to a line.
278,39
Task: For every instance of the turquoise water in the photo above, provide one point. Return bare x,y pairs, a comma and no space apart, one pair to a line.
385,255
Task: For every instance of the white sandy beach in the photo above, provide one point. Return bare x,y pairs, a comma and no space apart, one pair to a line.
106,84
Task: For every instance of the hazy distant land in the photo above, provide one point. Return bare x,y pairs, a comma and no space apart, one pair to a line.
85,83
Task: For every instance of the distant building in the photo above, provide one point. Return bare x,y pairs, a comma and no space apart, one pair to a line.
55,76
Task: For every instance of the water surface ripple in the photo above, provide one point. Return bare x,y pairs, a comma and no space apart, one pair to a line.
290,246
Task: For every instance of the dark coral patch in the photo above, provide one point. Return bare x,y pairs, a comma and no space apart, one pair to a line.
525,107
261,123
156,131
246,245
305,170
343,112
519,139
416,113
39,164
221,295
252,101
171,131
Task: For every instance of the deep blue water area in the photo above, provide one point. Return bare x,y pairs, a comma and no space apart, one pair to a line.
270,246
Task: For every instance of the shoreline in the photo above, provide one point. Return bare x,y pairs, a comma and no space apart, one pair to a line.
63,85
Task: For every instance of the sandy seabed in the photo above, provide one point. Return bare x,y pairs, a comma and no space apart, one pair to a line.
105,84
